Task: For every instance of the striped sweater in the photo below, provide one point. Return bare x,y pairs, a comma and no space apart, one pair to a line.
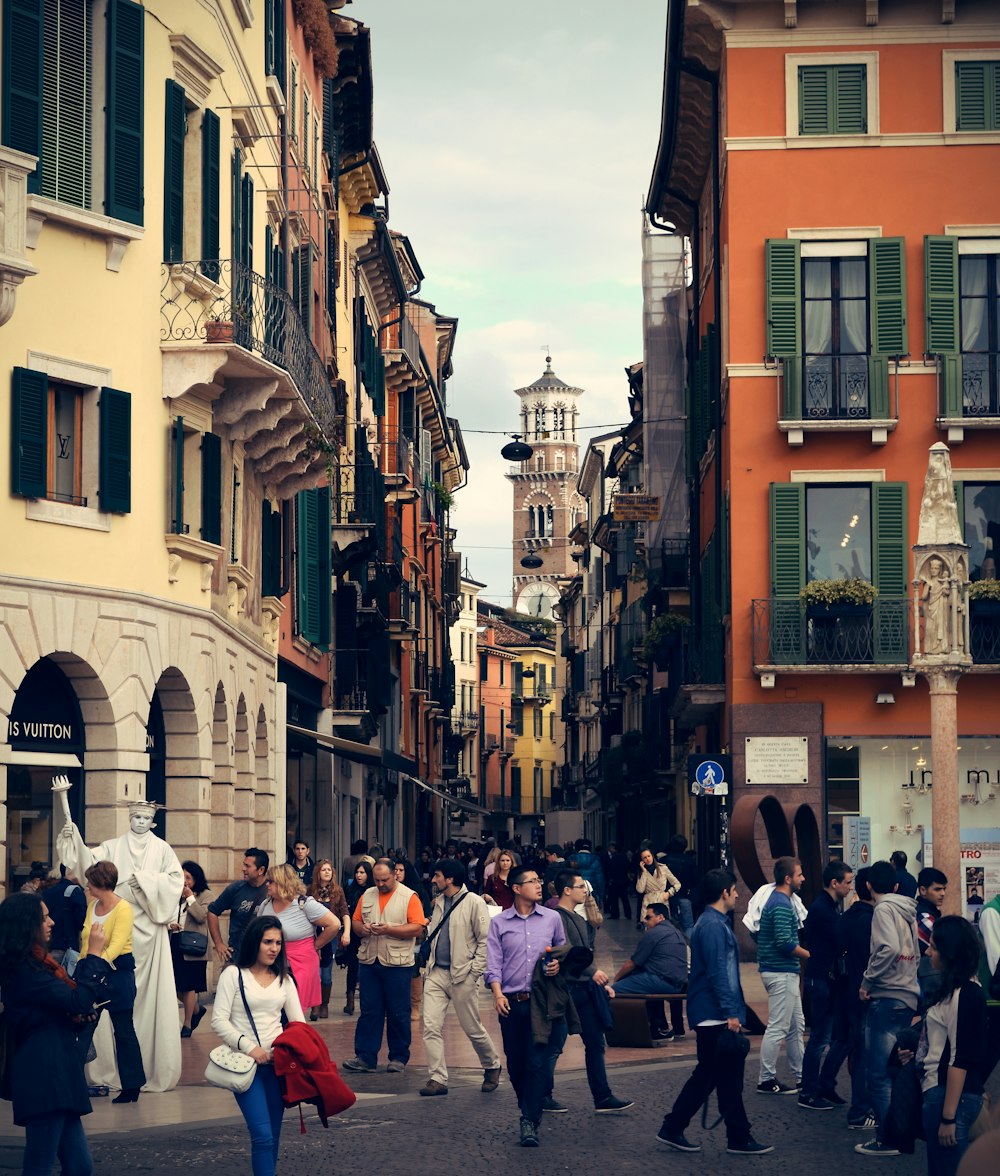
778,936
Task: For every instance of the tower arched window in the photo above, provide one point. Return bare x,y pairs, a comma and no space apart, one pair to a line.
559,421
549,520
540,462
539,419
560,459
540,532
531,522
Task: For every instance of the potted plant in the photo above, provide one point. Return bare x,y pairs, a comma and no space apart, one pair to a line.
839,613
663,635
838,595
984,620
219,330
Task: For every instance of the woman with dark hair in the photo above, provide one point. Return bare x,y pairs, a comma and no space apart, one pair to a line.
954,1066
190,971
249,1004
116,917
348,957
44,1009
325,889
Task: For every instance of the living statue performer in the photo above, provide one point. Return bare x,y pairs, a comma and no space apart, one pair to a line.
151,879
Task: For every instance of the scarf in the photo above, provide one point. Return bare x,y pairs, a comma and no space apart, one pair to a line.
49,964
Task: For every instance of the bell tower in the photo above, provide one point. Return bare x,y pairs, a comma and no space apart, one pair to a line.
546,504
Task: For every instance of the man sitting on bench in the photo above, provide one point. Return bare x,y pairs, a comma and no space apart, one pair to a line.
658,964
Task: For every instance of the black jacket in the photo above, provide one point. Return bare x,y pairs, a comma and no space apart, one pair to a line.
47,1072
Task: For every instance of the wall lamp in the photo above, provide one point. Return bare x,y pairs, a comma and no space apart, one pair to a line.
885,699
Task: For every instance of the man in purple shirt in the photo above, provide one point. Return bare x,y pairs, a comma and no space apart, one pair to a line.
516,940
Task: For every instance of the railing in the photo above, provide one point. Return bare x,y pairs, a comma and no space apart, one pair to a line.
402,336
835,388
468,721
352,700
404,452
787,632
984,632
506,745
264,319
364,502
980,384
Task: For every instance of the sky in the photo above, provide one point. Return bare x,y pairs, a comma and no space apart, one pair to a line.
518,142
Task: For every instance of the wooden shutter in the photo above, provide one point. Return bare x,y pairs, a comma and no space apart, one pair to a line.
783,280
210,179
890,561
235,173
246,221
21,83
941,292
302,291
115,464
29,432
175,121
977,95
887,308
788,572
211,488
270,550
850,99
124,187
815,100
312,513
177,453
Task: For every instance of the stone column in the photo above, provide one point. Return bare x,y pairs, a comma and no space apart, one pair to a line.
941,652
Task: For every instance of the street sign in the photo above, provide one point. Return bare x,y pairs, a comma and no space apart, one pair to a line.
709,775
858,850
635,508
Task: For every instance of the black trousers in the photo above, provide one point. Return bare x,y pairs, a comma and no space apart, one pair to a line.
709,1075
129,1057
527,1063
614,893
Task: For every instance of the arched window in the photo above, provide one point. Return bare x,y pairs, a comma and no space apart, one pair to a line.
560,460
559,421
549,515
531,522
540,462
541,522
539,419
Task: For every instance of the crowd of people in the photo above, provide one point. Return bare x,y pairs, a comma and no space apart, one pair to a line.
894,989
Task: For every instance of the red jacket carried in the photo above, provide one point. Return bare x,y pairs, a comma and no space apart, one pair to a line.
307,1073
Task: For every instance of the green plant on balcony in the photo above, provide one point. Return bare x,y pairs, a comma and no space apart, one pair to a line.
830,593
985,590
445,499
663,634
317,444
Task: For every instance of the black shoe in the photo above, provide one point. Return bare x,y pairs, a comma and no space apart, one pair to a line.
775,1087
196,1019
676,1140
529,1134
662,1034
813,1102
186,1031
127,1096
750,1148
832,1096
609,1104
679,1035
551,1107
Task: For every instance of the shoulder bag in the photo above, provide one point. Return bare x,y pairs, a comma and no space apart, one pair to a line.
193,943
228,1068
424,950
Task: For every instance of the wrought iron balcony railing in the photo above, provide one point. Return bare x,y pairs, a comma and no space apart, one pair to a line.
984,632
787,632
264,320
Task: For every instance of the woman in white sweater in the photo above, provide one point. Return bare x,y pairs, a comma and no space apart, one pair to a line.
249,1002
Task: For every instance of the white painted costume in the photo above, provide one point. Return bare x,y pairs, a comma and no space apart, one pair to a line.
151,879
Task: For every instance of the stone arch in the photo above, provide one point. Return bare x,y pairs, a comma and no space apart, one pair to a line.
264,804
223,792
186,768
244,780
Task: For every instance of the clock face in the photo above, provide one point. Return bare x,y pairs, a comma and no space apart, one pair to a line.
537,600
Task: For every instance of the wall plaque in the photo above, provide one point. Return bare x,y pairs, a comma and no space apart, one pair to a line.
777,759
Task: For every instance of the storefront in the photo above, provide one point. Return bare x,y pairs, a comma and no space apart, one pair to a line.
45,737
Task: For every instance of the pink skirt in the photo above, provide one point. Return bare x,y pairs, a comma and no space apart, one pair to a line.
304,962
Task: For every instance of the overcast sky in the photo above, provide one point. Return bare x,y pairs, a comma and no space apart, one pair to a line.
518,141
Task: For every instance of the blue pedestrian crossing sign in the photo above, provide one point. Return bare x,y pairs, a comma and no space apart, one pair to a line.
709,777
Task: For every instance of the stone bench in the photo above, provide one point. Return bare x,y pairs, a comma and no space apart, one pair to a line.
631,1027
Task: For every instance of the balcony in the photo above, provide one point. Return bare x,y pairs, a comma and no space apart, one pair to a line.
968,392
235,313
401,348
468,721
792,637
984,632
399,479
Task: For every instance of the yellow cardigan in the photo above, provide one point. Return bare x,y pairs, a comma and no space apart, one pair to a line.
117,928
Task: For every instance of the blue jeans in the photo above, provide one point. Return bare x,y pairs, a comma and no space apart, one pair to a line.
58,1133
263,1110
685,914
885,1019
817,1082
944,1161
385,1000
592,1033
860,1102
784,1023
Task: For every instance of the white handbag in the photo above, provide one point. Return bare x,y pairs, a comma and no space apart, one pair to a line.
230,1070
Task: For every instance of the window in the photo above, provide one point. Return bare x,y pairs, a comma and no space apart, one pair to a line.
836,314
832,97
977,95
61,105
843,774
55,424
461,656
501,676
517,717
539,419
838,532
484,667
560,459
274,40
537,722
540,462
979,512
963,323
271,550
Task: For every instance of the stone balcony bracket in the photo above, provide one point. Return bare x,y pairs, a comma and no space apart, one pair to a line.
181,547
15,167
239,581
272,608
308,473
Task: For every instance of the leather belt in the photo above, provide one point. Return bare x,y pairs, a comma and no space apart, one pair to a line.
518,996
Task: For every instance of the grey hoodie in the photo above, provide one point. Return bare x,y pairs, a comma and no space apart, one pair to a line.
892,967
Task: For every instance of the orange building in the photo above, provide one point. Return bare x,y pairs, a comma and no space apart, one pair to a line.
835,168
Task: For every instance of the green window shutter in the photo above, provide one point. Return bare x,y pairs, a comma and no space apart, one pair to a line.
783,282
235,174
887,275
246,221
29,432
115,465
124,197
788,548
942,318
977,95
210,179
850,94
331,272
177,446
173,173
269,6
312,519
270,550
891,554
211,488
890,561
324,586
21,93
815,100
302,293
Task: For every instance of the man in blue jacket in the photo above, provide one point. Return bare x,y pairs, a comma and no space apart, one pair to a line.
715,1008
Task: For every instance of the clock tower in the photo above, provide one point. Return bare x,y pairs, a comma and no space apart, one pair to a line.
546,504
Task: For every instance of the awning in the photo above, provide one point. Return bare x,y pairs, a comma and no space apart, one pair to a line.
453,801
360,753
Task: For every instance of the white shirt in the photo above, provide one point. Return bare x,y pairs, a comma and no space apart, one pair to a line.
229,1017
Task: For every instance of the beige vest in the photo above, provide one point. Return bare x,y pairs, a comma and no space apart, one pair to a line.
389,951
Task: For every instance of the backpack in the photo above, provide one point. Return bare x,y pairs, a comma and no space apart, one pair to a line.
306,1073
